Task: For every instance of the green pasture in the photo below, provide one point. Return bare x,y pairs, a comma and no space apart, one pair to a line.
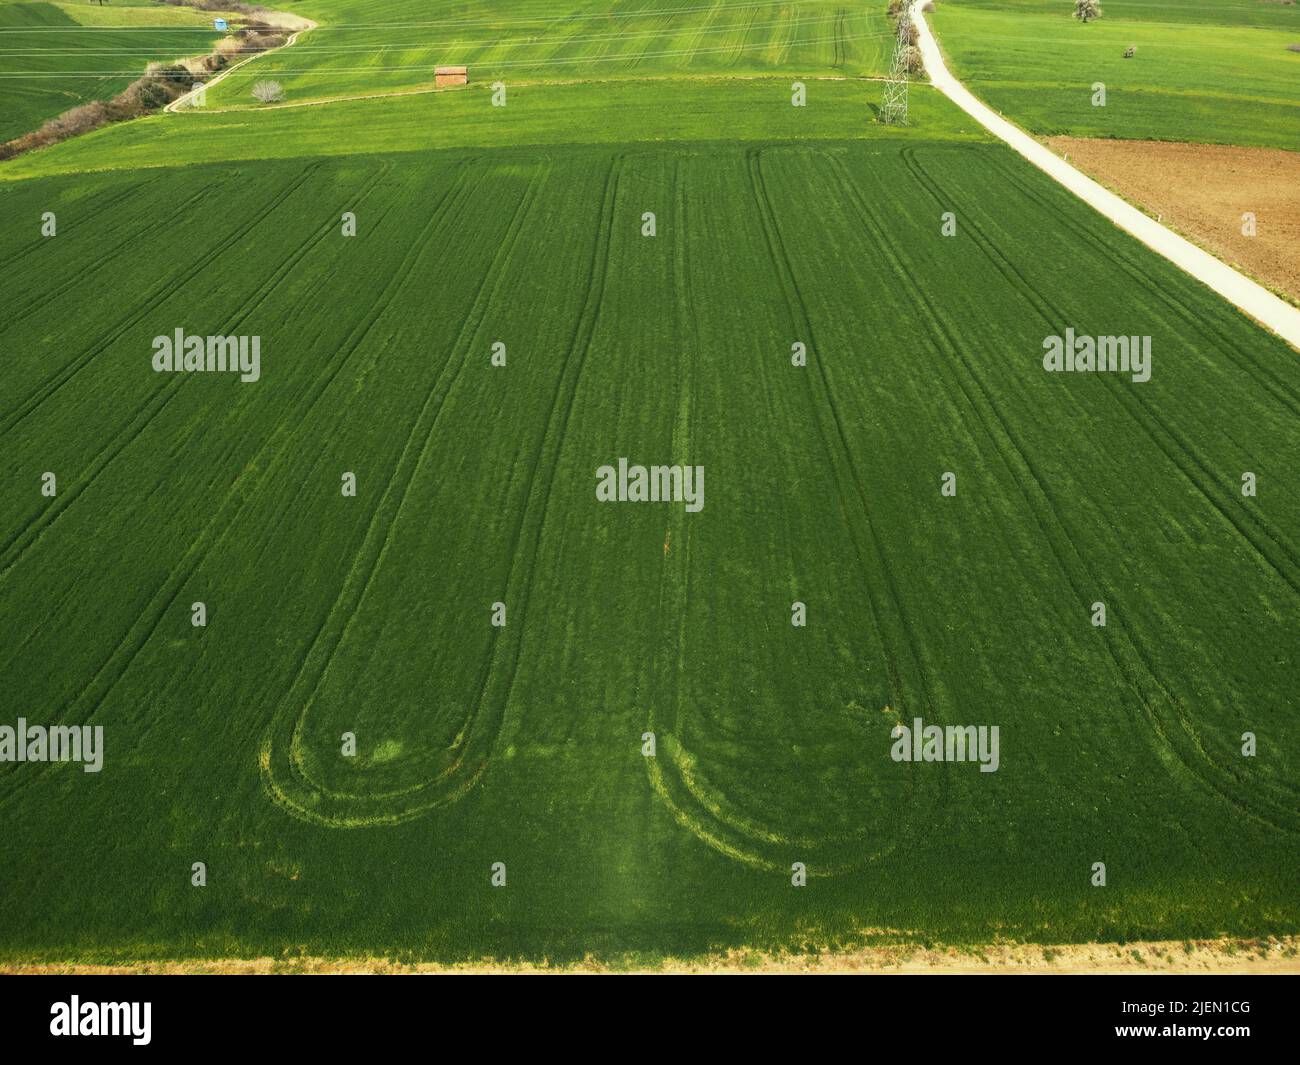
1219,73
55,56
369,46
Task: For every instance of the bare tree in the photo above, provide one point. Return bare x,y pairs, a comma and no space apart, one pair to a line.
1087,10
268,92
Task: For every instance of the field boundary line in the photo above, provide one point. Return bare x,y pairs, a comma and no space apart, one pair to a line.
1246,295
895,954
542,83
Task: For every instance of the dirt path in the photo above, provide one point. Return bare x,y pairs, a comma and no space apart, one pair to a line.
183,101
1252,298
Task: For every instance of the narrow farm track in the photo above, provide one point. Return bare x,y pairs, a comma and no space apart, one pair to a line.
1248,296
184,101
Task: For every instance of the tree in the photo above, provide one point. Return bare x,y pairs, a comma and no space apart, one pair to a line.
1087,10
268,91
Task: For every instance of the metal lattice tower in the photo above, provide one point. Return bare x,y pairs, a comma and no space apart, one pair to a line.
893,108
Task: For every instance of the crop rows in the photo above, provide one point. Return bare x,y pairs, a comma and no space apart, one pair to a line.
371,614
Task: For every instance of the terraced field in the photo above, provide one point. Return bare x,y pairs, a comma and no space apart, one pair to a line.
1216,72
372,615
55,56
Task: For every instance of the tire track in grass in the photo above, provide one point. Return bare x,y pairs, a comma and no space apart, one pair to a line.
20,542
147,306
1052,315
492,730
26,537
693,803
99,204
701,34
1177,305
1122,254
784,49
580,347
664,28
103,681
42,298
359,197
739,52
1047,516
343,620
926,700
282,761
448,207
250,305
976,398
1228,345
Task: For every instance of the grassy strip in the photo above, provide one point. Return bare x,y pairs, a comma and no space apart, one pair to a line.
688,110
1230,82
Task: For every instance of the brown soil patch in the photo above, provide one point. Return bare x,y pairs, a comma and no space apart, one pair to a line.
1202,190
1259,956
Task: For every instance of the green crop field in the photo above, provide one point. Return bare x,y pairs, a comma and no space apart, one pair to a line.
498,641
369,46
55,56
1217,72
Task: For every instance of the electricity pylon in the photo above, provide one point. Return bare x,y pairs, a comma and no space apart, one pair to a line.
893,108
